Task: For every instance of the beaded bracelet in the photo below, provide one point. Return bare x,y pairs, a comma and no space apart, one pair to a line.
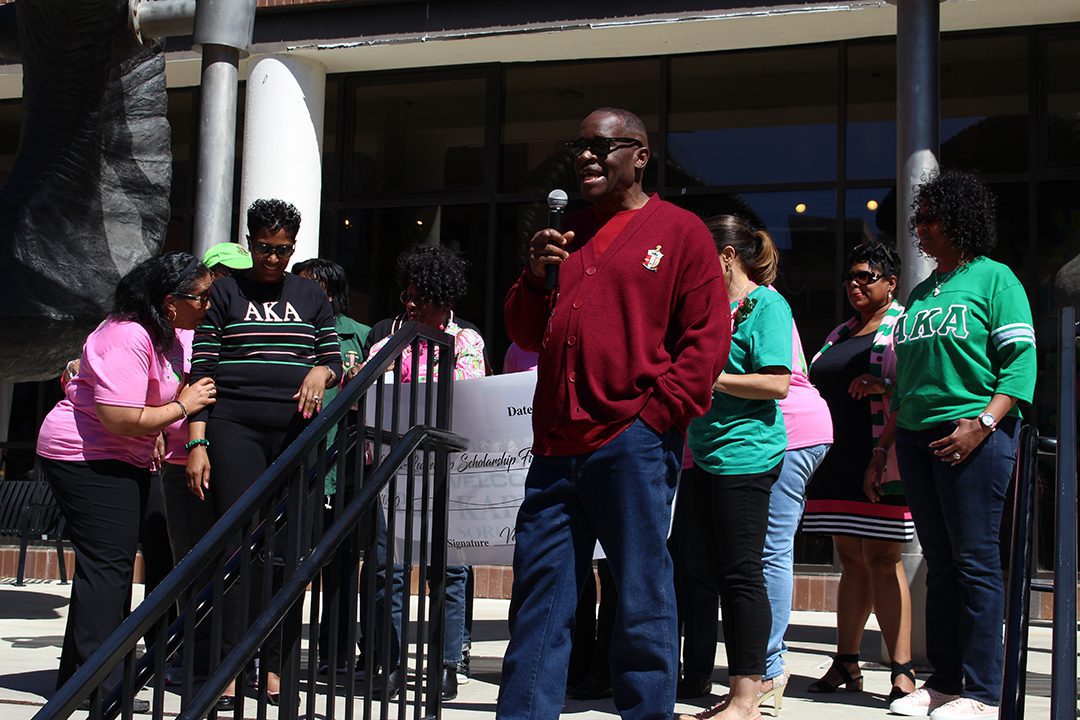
196,442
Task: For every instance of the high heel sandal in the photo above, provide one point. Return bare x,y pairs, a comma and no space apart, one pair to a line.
775,693
852,683
898,670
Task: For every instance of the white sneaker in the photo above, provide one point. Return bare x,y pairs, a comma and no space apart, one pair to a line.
963,708
920,703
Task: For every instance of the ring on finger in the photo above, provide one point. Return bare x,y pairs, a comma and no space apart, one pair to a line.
956,456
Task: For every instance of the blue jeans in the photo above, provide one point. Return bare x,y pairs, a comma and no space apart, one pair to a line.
454,607
621,495
786,505
957,512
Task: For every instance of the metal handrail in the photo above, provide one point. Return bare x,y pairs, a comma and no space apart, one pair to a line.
1063,662
1021,563
118,651
1063,681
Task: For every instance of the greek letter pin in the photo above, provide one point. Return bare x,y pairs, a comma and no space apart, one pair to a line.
652,259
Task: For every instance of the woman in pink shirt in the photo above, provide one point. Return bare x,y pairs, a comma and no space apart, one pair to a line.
96,445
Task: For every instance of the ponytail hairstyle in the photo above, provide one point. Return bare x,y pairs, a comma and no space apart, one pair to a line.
140,295
754,246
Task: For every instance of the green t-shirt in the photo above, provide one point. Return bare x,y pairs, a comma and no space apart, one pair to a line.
965,336
737,436
351,336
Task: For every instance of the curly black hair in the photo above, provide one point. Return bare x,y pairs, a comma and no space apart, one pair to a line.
880,257
437,272
140,295
333,279
272,215
965,207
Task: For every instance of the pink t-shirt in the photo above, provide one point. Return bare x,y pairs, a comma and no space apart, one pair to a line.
806,414
176,435
118,367
518,360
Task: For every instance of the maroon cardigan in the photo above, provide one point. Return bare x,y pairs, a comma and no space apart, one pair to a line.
625,340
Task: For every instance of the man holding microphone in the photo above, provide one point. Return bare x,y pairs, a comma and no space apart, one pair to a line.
630,343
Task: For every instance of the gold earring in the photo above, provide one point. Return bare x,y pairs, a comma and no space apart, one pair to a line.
171,314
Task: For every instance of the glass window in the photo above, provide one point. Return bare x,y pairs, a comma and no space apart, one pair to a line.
517,222
545,104
10,131
331,144
871,111
984,103
184,129
369,242
1063,102
417,134
869,215
753,117
1056,243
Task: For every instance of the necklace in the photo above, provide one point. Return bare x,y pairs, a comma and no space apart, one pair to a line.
940,280
743,291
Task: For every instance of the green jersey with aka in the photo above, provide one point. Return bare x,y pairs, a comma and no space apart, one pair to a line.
965,336
739,436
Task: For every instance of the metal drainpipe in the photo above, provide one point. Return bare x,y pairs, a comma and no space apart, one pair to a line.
223,30
918,26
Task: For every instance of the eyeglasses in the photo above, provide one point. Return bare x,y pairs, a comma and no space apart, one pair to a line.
861,277
601,147
407,297
202,298
282,251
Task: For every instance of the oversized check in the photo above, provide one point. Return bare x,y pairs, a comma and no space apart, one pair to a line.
487,481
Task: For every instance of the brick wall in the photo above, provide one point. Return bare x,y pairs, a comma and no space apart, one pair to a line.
812,592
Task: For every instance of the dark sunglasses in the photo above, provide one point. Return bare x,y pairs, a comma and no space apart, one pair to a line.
282,251
202,298
407,298
601,146
862,277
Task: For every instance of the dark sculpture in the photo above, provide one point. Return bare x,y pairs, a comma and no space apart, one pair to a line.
88,196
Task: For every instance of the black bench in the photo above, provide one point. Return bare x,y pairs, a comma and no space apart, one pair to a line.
29,510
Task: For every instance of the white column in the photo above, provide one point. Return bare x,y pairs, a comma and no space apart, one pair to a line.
283,136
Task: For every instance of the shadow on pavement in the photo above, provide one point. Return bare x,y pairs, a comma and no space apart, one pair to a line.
25,604
37,682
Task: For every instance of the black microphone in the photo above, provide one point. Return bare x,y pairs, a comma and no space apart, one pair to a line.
556,204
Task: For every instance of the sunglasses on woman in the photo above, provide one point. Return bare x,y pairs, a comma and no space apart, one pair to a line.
282,251
407,297
861,277
202,298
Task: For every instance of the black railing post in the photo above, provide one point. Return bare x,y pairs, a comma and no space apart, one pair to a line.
1063,663
1021,555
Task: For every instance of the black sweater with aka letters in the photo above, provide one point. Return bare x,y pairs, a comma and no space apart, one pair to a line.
258,342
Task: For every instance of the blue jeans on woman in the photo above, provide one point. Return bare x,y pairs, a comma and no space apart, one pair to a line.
786,505
957,512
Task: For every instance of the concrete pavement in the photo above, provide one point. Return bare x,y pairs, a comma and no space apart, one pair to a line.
32,626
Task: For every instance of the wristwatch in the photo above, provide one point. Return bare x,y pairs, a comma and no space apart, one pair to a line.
988,421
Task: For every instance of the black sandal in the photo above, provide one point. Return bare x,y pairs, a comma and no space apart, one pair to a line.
852,683
898,670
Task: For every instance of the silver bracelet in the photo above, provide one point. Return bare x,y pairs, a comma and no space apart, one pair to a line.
183,410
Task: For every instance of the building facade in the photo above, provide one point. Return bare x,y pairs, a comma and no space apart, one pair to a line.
444,122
